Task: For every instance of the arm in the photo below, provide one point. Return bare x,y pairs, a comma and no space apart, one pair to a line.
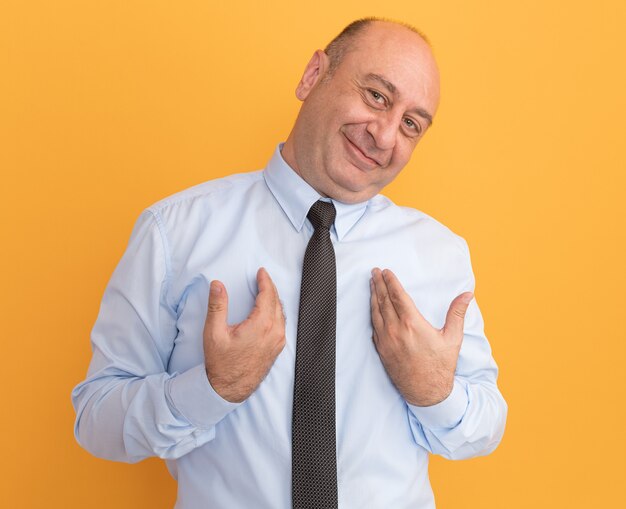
470,421
129,407
447,376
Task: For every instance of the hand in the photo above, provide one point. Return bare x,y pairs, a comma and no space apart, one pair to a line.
238,357
420,359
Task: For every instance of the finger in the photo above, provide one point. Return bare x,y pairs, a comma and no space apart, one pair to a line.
375,338
378,323
265,302
399,298
273,314
217,312
387,310
279,314
455,318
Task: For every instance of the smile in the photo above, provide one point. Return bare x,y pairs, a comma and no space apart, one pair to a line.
363,161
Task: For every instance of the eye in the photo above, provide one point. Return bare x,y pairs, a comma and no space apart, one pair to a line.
412,125
377,97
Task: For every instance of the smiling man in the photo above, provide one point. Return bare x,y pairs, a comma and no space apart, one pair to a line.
249,336
361,119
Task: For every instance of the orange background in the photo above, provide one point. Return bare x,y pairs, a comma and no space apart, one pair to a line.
106,107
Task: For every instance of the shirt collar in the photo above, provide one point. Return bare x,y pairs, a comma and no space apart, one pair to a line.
296,196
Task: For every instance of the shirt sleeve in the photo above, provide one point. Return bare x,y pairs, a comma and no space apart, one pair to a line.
130,407
470,421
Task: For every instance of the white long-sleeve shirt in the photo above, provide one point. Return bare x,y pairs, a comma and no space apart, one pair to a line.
147,393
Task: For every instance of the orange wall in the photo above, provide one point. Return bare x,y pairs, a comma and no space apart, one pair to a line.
106,107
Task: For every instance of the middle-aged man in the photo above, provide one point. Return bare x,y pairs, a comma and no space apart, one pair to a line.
327,384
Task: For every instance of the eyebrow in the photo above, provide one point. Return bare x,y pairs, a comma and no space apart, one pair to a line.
393,89
385,83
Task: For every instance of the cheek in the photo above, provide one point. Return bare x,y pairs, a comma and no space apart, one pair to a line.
400,158
402,153
389,176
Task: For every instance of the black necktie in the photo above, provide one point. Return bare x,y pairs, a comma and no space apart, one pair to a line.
314,456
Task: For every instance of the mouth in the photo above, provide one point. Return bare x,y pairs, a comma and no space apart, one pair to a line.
364,161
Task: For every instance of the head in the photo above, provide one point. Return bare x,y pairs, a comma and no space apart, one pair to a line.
367,100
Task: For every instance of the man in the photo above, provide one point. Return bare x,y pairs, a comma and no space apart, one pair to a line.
397,365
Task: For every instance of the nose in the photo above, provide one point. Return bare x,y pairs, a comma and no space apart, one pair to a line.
384,130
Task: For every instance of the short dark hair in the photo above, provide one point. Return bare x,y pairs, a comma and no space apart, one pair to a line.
342,43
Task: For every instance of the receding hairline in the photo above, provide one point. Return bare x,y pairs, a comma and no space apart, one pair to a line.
342,43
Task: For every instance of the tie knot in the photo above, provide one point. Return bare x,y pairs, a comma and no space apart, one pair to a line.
322,214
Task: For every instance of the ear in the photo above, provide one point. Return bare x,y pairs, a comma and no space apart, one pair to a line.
315,69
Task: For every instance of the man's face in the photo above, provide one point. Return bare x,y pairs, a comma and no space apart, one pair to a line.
357,129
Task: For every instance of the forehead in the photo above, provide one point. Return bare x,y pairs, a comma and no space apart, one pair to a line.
398,54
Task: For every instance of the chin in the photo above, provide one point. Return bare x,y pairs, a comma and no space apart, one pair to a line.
351,194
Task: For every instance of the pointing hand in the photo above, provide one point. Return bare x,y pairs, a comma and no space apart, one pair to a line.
238,357
420,359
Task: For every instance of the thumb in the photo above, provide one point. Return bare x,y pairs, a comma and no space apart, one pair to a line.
456,315
217,312
266,297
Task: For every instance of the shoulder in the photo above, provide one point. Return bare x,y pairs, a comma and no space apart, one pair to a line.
189,212
413,222
207,191
197,204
